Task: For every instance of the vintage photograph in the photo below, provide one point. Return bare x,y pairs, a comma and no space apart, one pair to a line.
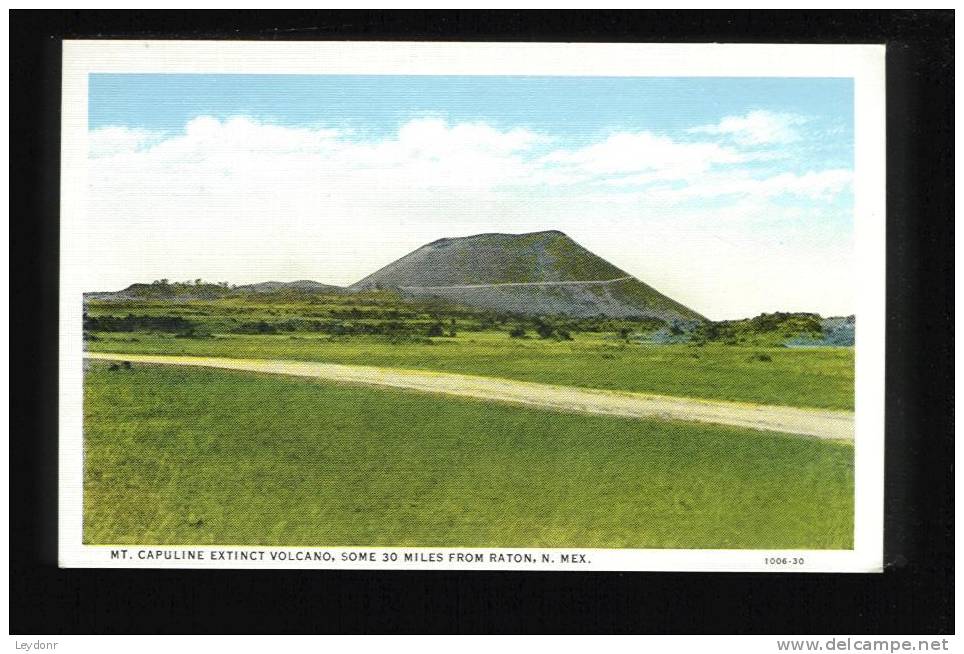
454,313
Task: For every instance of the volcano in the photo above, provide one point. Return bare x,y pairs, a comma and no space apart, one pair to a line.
539,273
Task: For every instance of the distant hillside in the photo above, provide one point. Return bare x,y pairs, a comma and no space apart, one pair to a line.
536,274
302,285
767,329
165,290
836,330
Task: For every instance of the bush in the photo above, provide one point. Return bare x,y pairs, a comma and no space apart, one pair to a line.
545,330
391,328
132,323
260,327
518,332
436,329
193,333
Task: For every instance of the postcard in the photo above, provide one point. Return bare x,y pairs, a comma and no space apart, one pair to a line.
472,306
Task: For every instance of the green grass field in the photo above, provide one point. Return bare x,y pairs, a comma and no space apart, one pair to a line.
191,456
809,377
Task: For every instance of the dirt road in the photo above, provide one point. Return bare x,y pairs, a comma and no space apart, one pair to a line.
826,424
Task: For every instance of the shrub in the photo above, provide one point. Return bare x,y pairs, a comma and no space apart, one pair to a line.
544,329
260,327
517,332
390,328
436,329
193,333
132,323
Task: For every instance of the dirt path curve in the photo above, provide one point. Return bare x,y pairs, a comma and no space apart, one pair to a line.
826,424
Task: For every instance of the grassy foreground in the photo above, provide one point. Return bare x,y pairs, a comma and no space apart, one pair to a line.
193,456
808,377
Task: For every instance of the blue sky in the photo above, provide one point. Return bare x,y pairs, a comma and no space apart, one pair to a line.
575,109
656,174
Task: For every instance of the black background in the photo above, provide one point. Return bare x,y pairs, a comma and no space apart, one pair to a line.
915,593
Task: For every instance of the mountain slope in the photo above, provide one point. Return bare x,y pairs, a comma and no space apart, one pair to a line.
536,273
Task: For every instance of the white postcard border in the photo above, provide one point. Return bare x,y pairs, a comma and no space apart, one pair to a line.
863,63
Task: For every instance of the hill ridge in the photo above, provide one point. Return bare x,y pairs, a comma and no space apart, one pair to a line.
543,272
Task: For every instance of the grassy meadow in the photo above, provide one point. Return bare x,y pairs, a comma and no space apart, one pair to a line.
737,361
811,377
202,456
193,456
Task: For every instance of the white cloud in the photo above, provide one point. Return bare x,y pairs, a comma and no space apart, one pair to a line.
433,137
822,185
757,128
211,136
109,141
814,185
240,157
644,152
247,201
